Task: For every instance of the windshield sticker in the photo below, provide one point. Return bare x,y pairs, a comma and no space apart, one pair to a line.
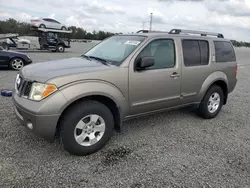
133,42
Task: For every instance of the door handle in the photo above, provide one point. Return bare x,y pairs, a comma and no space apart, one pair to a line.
174,75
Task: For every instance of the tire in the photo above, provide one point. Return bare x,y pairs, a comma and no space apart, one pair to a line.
60,48
42,26
16,63
211,112
64,28
78,113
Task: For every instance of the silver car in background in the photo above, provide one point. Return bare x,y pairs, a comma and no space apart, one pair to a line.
47,23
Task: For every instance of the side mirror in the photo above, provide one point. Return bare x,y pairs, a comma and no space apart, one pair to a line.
145,62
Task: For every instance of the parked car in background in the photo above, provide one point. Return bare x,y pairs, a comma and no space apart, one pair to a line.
47,23
13,60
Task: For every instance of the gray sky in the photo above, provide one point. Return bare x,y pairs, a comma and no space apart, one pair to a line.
230,17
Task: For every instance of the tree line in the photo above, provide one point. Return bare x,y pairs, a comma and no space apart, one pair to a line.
22,28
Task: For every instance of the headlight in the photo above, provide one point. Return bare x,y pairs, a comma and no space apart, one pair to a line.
39,91
28,57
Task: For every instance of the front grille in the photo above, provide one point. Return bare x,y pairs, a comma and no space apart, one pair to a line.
27,89
24,87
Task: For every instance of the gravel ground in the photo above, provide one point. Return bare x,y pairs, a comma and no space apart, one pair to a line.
171,149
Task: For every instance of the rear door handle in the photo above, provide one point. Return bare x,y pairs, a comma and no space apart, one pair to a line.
174,75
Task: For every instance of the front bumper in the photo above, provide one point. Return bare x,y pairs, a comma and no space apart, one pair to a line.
39,115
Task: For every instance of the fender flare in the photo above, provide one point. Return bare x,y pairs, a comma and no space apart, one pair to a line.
210,80
75,91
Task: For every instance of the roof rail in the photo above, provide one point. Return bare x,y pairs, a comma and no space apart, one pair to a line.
178,31
148,31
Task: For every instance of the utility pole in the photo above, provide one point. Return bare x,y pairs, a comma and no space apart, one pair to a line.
151,16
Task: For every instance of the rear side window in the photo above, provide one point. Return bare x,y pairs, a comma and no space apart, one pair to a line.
195,52
224,52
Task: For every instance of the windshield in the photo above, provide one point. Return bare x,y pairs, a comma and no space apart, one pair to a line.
115,49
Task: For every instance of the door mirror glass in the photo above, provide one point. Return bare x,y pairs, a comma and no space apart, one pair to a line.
145,62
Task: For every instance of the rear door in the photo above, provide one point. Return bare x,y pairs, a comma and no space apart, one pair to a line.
225,60
196,67
48,23
54,24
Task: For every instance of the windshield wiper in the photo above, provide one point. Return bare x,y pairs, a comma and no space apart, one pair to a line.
103,61
86,56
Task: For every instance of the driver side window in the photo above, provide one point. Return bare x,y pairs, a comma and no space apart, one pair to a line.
162,51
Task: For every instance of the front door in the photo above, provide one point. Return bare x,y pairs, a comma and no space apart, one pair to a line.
156,87
4,58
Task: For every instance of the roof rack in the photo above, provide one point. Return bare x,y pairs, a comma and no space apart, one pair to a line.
178,31
148,31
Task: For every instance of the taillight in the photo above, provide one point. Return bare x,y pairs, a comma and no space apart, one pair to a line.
35,20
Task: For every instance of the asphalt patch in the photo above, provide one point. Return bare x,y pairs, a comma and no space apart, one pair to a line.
113,156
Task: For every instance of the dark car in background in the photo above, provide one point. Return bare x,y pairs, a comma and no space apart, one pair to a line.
14,60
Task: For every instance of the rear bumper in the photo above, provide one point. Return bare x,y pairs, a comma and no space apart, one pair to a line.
35,24
232,85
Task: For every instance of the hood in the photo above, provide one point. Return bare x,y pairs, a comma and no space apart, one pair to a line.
14,52
44,71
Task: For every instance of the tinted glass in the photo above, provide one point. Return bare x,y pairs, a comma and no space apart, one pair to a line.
191,52
115,49
163,52
224,52
204,49
54,21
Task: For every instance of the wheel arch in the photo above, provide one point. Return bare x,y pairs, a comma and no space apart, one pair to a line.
41,25
219,79
18,58
107,101
99,90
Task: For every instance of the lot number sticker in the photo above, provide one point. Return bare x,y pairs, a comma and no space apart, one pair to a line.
132,42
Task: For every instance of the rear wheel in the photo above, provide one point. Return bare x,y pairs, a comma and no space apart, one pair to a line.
42,26
211,103
86,127
16,63
60,48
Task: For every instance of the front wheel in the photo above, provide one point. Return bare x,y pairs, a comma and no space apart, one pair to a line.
211,103
16,63
60,48
86,127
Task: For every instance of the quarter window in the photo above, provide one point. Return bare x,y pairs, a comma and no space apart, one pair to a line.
195,52
163,52
224,52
